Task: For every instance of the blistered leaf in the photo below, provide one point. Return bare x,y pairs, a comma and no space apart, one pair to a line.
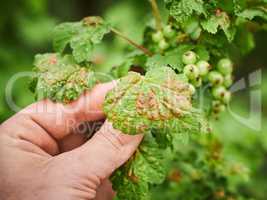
181,10
160,99
59,78
159,106
141,102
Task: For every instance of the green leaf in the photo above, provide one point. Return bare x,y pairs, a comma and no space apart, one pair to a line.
82,49
63,34
122,69
135,59
245,41
171,59
149,162
181,10
128,187
160,100
60,79
222,21
252,13
145,168
81,36
202,52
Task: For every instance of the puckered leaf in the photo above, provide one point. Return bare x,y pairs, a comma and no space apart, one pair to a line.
159,100
81,36
142,102
159,105
59,78
181,10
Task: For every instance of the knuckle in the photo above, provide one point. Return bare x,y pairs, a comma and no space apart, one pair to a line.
112,136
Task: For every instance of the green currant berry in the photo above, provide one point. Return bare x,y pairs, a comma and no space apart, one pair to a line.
192,89
189,57
163,45
215,78
228,81
196,34
216,103
157,37
227,97
218,107
168,31
191,71
197,82
203,67
225,66
218,92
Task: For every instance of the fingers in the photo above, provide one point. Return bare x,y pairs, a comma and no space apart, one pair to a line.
60,120
104,191
81,134
106,151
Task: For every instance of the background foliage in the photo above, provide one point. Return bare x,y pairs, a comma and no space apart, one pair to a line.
25,27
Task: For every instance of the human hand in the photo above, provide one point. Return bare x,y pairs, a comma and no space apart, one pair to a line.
43,156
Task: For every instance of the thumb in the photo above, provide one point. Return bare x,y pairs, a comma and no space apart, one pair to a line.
107,151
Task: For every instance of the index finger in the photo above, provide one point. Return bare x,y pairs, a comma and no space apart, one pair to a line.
59,120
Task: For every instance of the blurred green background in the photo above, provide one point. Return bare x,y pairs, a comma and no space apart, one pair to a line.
25,29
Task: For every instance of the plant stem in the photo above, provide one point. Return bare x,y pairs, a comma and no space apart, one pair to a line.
145,50
156,13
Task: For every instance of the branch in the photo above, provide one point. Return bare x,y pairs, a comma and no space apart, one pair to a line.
156,14
145,50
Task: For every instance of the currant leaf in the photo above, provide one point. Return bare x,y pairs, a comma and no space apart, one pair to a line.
60,79
171,59
182,10
81,36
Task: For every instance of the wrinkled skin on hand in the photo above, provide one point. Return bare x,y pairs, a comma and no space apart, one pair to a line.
45,157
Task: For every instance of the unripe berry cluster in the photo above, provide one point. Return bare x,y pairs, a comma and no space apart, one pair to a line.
161,38
220,79
195,70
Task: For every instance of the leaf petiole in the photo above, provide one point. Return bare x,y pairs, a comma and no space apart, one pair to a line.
142,48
